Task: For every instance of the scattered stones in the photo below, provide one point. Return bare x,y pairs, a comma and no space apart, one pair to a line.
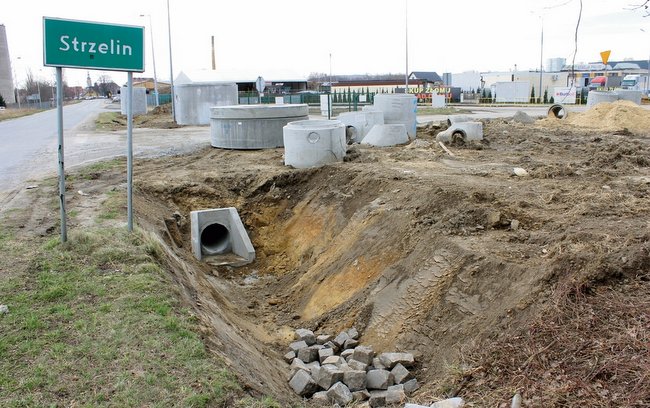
379,379
308,354
395,395
302,384
289,357
328,375
324,353
355,380
390,360
357,365
514,225
341,339
353,333
350,344
347,354
455,402
334,360
363,354
362,395
518,171
324,338
401,374
339,394
338,370
411,386
297,345
4,309
306,335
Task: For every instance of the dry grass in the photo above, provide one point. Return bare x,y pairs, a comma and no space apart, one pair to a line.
589,349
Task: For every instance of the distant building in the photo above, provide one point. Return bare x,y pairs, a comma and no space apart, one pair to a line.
614,71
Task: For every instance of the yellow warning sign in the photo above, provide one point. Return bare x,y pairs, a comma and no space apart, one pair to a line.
604,56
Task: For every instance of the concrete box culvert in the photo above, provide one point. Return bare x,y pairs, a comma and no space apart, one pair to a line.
360,123
253,126
139,100
399,109
386,135
462,132
193,101
219,231
314,143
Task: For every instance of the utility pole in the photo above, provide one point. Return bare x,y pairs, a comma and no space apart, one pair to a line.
214,62
153,56
171,68
541,66
406,17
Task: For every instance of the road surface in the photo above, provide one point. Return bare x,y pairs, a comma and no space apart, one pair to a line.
30,144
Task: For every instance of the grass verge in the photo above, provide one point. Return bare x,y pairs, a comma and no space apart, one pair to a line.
94,322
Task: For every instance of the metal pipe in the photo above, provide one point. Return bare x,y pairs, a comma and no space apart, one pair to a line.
129,150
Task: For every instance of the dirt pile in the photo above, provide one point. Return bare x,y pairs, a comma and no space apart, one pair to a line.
436,255
421,251
608,117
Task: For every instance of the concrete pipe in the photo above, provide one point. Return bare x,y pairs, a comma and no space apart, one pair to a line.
253,126
219,231
557,111
457,119
215,239
462,132
596,97
314,143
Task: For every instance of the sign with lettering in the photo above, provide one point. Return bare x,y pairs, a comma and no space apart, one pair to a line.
564,95
84,44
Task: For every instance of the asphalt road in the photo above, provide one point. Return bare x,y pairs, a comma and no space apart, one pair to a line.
29,144
26,141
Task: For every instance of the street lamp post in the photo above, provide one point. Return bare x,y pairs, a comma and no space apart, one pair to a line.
647,81
171,68
153,56
541,66
16,84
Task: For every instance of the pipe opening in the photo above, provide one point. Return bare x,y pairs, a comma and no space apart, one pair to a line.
215,239
558,111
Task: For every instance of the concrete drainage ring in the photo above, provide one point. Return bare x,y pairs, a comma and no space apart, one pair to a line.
558,111
458,137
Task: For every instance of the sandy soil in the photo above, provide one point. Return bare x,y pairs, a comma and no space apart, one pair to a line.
420,250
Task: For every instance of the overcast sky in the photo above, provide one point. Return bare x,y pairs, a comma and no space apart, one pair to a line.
296,37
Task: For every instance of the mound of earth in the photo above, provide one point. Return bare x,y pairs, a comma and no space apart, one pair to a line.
446,257
608,117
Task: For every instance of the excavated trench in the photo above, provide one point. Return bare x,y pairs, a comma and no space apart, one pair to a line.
418,252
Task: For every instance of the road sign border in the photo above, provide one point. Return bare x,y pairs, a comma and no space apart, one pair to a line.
94,67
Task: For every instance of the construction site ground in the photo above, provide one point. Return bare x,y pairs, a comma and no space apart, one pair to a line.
519,263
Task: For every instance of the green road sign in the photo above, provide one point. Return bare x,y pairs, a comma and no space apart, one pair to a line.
83,44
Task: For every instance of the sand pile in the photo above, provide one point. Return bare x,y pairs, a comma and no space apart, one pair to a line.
609,117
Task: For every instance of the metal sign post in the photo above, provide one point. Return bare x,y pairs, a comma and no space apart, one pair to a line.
129,152
59,116
83,44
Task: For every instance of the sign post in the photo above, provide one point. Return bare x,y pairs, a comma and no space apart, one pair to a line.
92,45
260,85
